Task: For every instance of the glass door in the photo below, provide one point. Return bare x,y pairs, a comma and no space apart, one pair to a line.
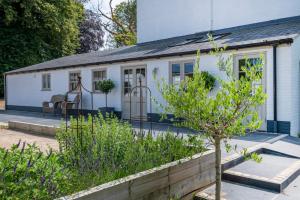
136,106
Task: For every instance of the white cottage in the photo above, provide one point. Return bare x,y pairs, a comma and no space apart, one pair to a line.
169,34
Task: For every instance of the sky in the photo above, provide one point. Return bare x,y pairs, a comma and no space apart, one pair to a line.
93,4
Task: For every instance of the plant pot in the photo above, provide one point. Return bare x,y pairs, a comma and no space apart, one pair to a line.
105,110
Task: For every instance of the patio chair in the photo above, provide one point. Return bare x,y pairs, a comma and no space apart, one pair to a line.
54,104
67,105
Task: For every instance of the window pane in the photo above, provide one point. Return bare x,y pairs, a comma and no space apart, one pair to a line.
98,76
242,63
46,81
126,92
176,74
176,80
176,69
73,80
188,69
242,74
250,63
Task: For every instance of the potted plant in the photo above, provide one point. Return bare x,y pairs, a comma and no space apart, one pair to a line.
106,86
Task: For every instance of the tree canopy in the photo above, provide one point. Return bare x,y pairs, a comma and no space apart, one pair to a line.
37,30
91,33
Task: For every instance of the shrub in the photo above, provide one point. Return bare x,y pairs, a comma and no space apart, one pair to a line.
113,150
27,173
209,80
106,86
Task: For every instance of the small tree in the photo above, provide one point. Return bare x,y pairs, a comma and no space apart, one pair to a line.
219,117
106,87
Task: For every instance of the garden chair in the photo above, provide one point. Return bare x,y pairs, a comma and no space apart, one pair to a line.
67,105
54,104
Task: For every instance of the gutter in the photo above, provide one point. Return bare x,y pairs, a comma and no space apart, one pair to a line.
192,52
5,92
275,86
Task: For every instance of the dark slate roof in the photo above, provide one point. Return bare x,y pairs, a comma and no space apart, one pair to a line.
259,34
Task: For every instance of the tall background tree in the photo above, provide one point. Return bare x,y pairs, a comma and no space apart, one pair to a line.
120,23
91,33
39,30
33,31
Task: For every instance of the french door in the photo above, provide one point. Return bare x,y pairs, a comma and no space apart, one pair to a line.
134,97
240,61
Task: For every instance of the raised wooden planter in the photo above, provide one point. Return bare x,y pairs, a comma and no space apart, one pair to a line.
33,128
178,179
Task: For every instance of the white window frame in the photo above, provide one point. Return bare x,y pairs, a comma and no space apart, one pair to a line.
182,73
69,82
47,87
97,80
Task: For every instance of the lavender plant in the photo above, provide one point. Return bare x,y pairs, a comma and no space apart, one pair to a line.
113,150
27,173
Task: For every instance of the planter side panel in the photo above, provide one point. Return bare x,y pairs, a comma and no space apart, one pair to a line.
173,180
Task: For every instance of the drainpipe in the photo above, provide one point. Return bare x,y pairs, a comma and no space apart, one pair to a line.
275,86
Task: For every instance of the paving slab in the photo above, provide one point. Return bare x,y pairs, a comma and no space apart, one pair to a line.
292,192
247,141
233,191
289,145
269,167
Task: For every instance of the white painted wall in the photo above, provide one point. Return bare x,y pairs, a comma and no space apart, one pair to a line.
295,87
160,19
25,89
284,84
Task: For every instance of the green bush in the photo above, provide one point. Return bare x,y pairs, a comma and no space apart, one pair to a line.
106,86
113,150
209,79
27,173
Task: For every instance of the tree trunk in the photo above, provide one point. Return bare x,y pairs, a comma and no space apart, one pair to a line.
105,102
218,168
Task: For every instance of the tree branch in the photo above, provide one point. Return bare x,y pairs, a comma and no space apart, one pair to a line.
112,19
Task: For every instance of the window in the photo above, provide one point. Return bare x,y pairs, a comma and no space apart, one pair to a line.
73,80
128,81
46,81
181,70
242,62
98,75
250,62
188,69
176,74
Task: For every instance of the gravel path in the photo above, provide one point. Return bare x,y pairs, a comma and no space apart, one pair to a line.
10,137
